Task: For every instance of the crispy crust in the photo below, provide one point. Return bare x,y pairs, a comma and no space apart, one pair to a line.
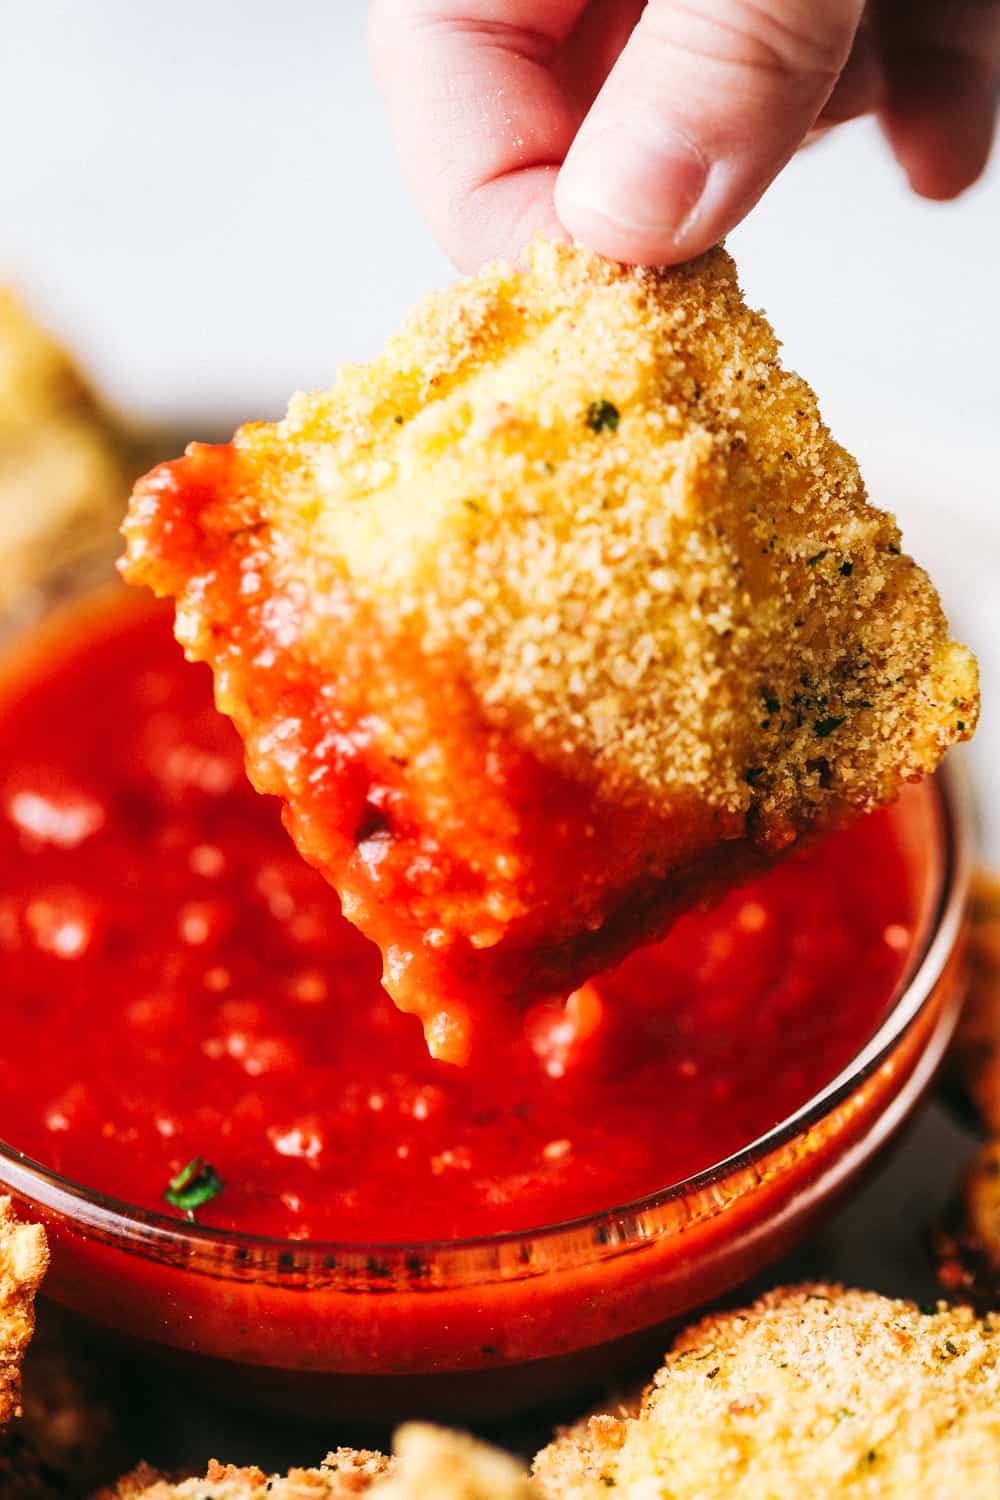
632,605
812,1391
64,464
344,1473
583,512
24,1258
429,1463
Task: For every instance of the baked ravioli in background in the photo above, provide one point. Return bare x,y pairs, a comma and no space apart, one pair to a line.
560,616
24,1259
66,463
814,1390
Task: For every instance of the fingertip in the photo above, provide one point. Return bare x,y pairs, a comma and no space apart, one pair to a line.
479,116
940,166
939,121
500,218
634,192
938,178
696,118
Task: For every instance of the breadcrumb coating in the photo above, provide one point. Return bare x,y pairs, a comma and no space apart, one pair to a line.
65,466
429,1463
24,1258
579,515
608,495
344,1473
813,1391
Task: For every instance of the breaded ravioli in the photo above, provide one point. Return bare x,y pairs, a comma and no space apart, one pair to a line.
429,1463
563,614
24,1257
65,465
343,1473
814,1391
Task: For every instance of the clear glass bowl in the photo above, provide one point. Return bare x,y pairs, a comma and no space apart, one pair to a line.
487,1327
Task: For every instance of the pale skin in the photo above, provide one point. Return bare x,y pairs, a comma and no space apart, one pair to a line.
648,130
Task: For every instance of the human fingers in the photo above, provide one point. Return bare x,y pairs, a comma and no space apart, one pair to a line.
481,120
942,64
706,103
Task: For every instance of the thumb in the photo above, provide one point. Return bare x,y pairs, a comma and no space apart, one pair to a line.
705,105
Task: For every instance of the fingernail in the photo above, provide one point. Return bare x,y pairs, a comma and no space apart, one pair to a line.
636,189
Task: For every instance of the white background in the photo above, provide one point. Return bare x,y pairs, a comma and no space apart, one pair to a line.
201,198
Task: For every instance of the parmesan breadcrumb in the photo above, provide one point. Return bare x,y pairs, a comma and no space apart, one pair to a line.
343,1473
24,1257
430,1463
599,487
814,1391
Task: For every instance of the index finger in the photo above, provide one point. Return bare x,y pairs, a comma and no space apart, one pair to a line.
480,120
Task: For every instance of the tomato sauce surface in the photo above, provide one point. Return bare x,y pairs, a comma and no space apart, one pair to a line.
176,983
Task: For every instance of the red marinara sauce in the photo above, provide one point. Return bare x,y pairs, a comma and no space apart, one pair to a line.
177,983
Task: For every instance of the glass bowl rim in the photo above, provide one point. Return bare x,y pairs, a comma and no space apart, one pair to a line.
150,1231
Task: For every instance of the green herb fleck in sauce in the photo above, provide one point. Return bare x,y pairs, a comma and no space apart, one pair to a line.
196,1184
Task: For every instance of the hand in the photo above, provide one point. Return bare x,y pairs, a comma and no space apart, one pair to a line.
648,130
